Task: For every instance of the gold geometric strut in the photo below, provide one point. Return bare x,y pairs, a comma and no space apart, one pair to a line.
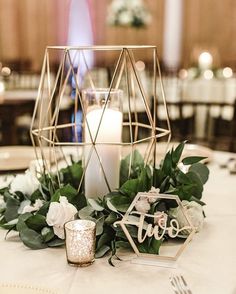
140,130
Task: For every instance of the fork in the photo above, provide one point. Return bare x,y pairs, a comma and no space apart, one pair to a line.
179,284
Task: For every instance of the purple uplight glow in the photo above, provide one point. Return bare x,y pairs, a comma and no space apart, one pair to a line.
80,32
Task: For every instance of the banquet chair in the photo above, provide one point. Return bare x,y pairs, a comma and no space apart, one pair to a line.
9,112
212,124
181,116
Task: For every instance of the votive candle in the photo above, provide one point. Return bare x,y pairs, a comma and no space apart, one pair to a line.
80,242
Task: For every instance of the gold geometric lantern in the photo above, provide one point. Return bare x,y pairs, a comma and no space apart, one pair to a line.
112,111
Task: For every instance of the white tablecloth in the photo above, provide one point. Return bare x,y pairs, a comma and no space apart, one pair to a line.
208,263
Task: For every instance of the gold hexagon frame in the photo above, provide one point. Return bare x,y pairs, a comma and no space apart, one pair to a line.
125,221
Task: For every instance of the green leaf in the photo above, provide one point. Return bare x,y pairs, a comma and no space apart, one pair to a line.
154,246
121,203
21,221
132,163
176,153
102,251
123,244
143,247
183,178
112,217
201,170
104,239
67,191
10,225
72,174
144,180
56,196
47,234
158,177
130,188
56,243
165,185
197,188
85,212
133,231
80,201
192,159
110,206
95,204
37,195
32,239
44,209
99,225
11,211
167,164
36,222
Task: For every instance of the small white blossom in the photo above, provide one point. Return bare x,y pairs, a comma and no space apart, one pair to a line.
195,214
58,214
153,198
142,205
26,183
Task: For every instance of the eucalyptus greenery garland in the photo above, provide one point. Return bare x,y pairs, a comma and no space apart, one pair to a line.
35,232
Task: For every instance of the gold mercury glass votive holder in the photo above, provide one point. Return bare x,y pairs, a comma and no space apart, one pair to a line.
80,242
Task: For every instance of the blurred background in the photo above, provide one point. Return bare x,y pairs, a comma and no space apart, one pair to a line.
196,47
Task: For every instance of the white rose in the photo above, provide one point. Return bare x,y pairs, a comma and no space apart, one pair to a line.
195,214
142,205
26,183
58,214
31,208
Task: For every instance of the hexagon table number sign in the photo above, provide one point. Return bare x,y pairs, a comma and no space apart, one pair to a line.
113,112
158,235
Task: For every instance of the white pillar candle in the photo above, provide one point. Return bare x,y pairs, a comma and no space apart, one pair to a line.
172,43
110,131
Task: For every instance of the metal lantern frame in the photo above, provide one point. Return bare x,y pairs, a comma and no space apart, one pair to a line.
45,122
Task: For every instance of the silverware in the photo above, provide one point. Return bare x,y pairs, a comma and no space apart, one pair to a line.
179,284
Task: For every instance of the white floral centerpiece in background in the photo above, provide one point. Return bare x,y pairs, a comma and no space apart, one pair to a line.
131,13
